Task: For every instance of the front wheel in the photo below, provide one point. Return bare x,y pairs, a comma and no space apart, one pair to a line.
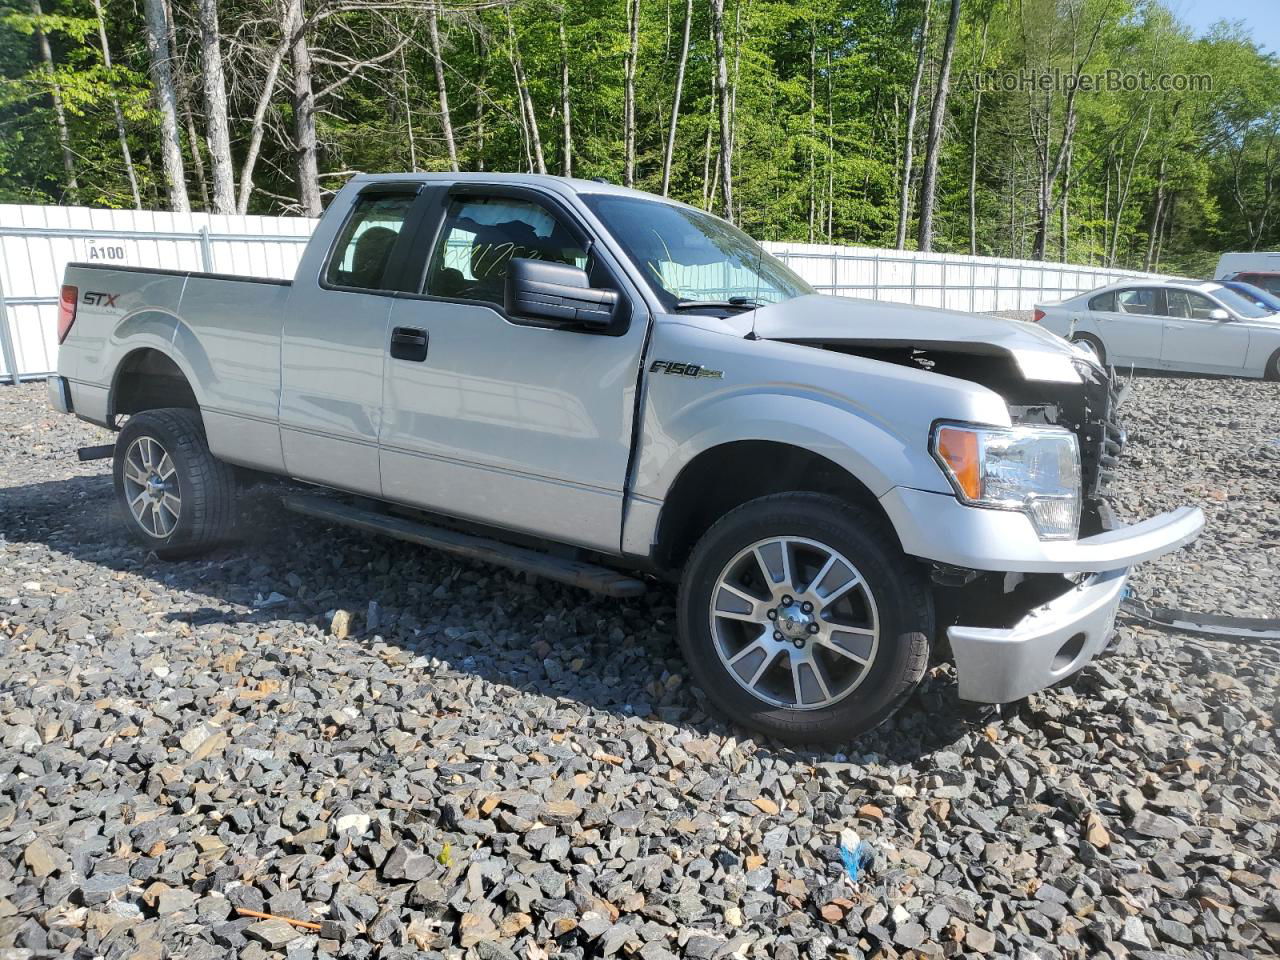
177,498
801,618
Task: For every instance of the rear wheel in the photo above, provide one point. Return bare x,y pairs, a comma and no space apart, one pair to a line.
801,618
1093,345
1273,367
177,498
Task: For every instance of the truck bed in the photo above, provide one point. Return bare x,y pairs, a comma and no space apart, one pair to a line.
223,329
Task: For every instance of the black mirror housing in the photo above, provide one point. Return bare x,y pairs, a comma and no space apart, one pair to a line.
557,293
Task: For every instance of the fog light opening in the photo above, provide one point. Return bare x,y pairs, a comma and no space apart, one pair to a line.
1068,652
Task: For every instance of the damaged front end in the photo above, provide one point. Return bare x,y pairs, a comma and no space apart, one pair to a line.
985,607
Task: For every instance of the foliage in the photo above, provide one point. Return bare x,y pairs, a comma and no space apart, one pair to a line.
1165,178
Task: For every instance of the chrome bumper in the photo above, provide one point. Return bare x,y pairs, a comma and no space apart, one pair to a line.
1049,643
938,527
59,392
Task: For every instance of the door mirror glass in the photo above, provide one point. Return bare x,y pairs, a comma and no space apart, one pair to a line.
1217,313
557,293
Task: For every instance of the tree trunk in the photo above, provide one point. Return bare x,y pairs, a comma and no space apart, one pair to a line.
129,170
629,94
1066,202
442,90
813,130
183,93
166,100
973,147
904,194
60,116
1122,191
566,136
668,157
215,104
482,48
408,115
725,166
937,118
526,99
259,120
304,112
1157,211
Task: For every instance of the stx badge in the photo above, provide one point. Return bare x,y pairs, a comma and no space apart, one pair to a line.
685,369
96,299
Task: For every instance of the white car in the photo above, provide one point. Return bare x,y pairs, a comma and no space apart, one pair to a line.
1183,325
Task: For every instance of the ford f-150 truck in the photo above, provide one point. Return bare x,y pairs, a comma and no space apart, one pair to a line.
601,386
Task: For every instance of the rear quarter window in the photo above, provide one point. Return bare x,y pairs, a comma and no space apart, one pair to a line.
1104,301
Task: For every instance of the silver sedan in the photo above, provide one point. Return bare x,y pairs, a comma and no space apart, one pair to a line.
1182,325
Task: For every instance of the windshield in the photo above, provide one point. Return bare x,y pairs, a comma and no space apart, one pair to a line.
1237,302
692,256
1254,294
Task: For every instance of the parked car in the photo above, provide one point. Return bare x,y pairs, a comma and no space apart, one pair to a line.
1255,294
1189,326
1232,265
1255,278
595,385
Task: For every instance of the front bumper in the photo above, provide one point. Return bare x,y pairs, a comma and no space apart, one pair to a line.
936,526
1051,642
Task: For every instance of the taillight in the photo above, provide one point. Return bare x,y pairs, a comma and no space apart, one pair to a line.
1037,316
67,310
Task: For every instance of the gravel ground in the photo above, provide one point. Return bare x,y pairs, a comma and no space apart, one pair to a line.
478,765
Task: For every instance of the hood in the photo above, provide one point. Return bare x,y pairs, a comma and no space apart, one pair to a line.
820,319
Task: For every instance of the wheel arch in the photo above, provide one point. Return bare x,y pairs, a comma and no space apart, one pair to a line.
730,474
148,378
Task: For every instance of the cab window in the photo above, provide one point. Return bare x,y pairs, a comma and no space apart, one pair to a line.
363,251
1185,305
1140,301
482,235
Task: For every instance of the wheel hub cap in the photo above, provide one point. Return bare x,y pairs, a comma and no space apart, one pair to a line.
151,487
794,623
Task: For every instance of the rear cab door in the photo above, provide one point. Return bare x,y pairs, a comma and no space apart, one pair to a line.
334,343
1132,330
492,418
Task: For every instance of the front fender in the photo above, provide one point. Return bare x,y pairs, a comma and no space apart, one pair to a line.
869,450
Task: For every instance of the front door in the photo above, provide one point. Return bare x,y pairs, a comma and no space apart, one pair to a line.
523,427
1193,340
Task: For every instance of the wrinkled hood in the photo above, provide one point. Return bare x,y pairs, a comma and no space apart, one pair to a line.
821,319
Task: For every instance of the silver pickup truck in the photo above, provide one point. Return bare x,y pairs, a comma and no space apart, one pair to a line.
602,386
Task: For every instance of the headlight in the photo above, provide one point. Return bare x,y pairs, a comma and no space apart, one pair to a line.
1035,470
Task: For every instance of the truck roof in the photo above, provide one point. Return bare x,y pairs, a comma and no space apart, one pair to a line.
547,180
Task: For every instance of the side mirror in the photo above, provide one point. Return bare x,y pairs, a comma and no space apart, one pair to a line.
1217,313
557,293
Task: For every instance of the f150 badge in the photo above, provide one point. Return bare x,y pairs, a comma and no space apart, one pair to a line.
695,370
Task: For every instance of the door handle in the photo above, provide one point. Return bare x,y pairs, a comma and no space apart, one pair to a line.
409,343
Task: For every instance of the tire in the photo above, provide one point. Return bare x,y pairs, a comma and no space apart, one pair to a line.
1090,342
1272,372
890,603
187,509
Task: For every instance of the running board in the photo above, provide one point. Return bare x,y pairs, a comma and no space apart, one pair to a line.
575,573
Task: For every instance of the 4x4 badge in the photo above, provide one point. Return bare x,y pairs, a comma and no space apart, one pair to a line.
685,369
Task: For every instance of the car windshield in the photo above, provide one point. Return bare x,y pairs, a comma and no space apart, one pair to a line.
1254,294
1237,302
693,258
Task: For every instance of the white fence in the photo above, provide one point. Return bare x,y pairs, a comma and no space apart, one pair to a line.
37,242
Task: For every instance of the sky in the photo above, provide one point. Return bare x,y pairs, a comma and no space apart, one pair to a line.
1261,17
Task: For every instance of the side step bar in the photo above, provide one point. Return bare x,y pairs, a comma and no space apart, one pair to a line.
588,576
